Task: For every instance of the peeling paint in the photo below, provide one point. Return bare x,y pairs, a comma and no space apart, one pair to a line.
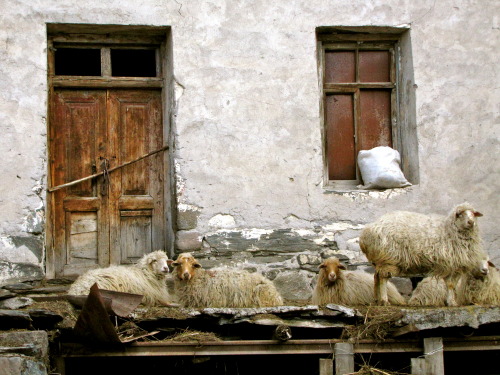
222,221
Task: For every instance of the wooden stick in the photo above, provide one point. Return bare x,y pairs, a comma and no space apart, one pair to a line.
52,189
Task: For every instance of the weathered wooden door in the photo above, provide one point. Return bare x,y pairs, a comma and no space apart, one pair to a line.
118,217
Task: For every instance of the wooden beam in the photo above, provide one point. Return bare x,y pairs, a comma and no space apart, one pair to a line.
344,358
418,366
325,366
433,350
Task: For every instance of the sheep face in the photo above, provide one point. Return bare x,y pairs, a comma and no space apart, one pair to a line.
186,266
157,262
466,217
330,269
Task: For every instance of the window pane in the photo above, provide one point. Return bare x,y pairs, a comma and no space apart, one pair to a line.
340,67
340,137
133,63
374,66
78,62
375,124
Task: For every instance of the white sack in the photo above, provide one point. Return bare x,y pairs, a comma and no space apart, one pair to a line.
380,168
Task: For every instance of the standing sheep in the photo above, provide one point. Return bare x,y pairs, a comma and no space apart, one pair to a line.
335,285
147,277
407,243
481,288
221,287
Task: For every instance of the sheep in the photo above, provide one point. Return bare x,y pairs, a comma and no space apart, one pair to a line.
196,287
147,277
406,243
481,288
335,285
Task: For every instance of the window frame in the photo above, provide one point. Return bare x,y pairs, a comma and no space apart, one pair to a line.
329,39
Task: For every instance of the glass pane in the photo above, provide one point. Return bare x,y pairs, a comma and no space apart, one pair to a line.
133,63
340,67
340,145
374,66
78,62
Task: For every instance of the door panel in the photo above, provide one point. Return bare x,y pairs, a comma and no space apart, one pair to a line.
96,223
136,191
76,141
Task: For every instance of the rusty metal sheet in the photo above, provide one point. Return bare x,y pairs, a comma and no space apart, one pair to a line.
115,303
93,323
340,67
340,137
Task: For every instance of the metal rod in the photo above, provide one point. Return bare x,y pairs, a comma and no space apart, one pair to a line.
52,189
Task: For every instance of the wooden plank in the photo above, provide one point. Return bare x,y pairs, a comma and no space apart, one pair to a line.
106,82
344,358
272,347
433,350
344,87
82,204
418,366
325,366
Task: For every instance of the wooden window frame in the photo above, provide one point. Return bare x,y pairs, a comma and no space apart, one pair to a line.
359,39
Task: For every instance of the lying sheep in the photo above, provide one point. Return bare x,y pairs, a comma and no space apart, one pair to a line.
147,278
221,287
407,243
335,285
478,288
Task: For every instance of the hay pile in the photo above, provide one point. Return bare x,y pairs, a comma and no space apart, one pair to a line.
377,324
369,370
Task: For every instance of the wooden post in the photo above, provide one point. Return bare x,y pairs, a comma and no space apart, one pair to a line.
344,358
418,366
325,366
433,350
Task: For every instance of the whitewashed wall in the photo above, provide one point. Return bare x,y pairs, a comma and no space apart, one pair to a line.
248,149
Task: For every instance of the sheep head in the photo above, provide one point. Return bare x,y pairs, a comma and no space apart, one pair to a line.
465,216
330,269
185,266
157,262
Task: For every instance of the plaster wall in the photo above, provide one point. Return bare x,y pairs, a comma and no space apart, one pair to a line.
246,123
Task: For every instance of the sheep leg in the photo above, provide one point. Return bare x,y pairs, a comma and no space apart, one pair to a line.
451,282
380,285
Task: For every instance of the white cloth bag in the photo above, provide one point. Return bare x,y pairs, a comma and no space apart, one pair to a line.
380,168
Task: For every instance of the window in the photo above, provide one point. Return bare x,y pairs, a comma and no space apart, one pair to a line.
360,78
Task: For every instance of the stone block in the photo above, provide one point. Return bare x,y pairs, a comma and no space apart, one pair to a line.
188,241
21,366
187,219
15,303
38,339
294,285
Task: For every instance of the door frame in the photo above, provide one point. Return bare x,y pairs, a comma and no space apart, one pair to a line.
106,36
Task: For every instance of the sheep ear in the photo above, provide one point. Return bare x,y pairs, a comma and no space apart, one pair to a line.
196,265
477,214
490,263
170,262
322,265
174,264
342,266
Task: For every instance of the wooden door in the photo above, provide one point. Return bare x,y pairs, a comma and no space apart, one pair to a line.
112,219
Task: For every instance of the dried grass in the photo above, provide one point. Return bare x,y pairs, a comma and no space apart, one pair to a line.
61,307
369,370
377,324
197,336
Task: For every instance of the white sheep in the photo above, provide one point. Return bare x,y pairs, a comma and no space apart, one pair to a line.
478,288
147,278
405,243
221,287
335,285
